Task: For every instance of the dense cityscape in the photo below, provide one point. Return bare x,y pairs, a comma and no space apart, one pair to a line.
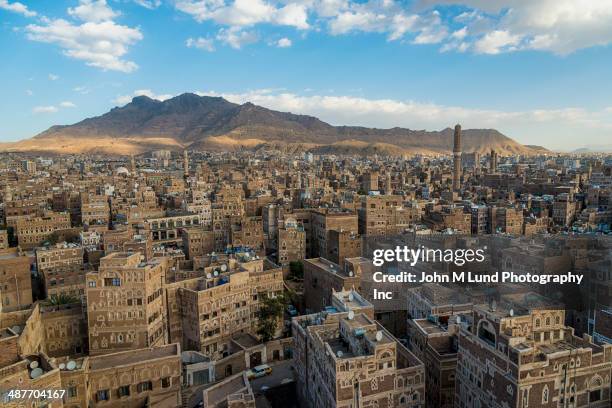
245,279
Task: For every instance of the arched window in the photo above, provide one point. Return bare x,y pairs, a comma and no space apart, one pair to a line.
545,394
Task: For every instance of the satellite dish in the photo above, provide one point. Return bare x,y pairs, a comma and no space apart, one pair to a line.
62,366
37,372
339,354
511,312
379,335
16,329
34,364
223,268
216,272
351,297
350,273
351,315
208,275
71,365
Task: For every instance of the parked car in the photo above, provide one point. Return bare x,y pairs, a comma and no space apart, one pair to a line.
259,371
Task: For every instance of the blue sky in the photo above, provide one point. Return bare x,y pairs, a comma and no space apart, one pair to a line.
537,71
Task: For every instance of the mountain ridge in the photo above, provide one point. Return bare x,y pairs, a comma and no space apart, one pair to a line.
213,123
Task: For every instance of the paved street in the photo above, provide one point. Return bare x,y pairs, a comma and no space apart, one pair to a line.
282,373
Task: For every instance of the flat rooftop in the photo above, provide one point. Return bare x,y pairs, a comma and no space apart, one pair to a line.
328,266
132,357
429,327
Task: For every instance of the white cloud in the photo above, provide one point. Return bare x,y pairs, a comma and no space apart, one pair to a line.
205,44
53,77
93,10
45,109
125,99
389,17
558,26
149,4
53,108
496,42
284,43
235,37
487,26
525,126
81,89
241,13
100,44
17,7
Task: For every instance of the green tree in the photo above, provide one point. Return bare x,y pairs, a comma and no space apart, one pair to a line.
269,314
61,299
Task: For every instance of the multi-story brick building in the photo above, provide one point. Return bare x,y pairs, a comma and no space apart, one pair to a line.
225,303
346,359
291,243
167,230
125,303
564,209
33,231
322,278
343,244
324,221
384,215
529,358
248,233
15,280
61,267
197,242
435,344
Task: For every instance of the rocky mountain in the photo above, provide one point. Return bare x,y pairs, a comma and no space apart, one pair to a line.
213,123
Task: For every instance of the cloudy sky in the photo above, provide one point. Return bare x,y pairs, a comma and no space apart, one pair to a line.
539,71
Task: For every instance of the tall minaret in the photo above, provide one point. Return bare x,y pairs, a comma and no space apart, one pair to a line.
493,162
457,159
133,165
185,163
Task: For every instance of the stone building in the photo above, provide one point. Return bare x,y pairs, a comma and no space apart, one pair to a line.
529,358
435,344
322,278
506,220
55,330
346,359
197,242
167,230
15,280
291,243
125,303
564,210
32,231
61,267
225,303
130,379
135,378
322,222
95,212
248,233
343,244
384,215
